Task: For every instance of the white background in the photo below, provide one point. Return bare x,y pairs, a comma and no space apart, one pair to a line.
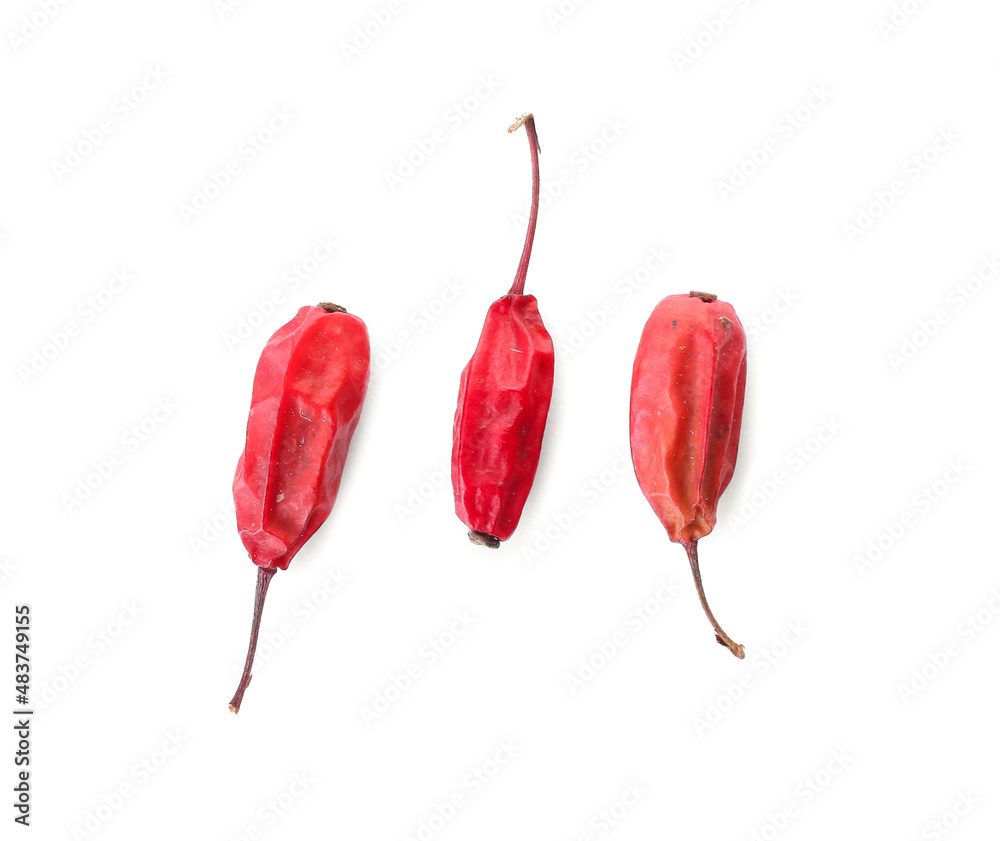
718,747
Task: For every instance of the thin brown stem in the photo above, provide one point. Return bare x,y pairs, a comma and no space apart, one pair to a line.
528,121
264,576
720,636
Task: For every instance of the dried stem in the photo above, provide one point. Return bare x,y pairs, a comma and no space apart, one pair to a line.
528,121
720,636
264,575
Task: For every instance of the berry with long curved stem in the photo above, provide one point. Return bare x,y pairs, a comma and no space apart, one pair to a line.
720,636
688,387
308,392
503,400
264,576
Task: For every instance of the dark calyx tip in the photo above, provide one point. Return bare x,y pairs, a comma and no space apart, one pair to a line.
481,538
331,307
707,297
